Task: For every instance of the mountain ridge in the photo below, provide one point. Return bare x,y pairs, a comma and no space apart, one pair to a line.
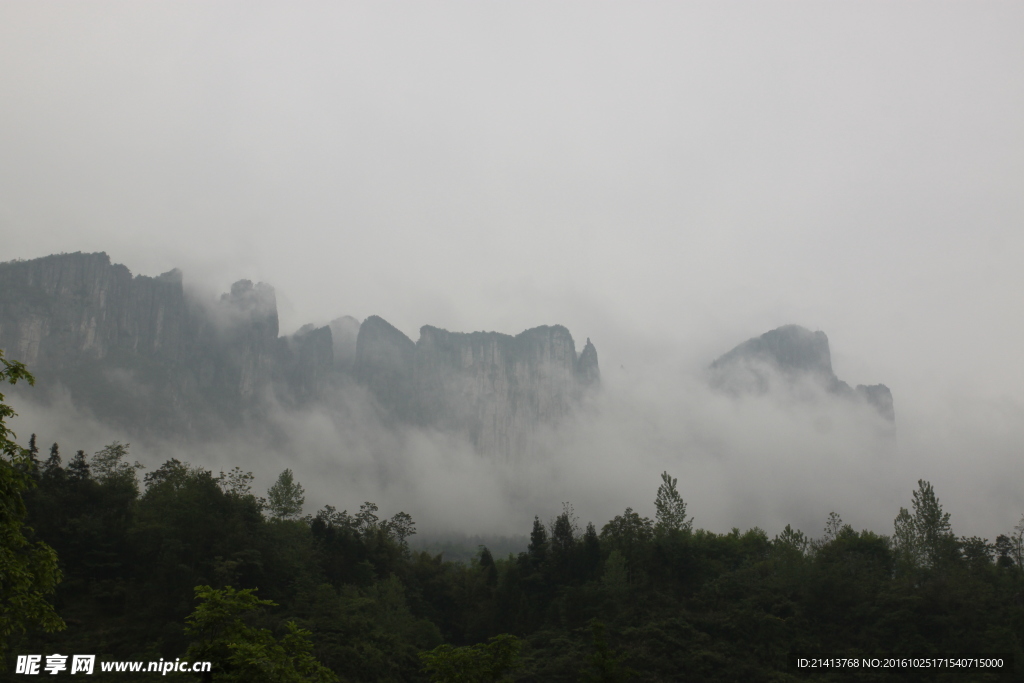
144,354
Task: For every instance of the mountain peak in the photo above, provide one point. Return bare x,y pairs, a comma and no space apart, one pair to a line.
790,349
794,353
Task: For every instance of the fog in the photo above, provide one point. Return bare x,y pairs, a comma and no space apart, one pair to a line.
788,456
666,179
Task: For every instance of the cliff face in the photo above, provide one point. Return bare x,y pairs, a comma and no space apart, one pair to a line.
305,363
77,320
344,334
496,388
138,352
793,353
142,354
58,310
384,364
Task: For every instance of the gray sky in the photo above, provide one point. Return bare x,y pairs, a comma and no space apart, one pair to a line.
668,179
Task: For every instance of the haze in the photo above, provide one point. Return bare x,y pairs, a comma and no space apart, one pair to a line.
667,179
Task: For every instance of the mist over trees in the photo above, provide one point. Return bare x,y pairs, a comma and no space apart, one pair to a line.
182,562
178,562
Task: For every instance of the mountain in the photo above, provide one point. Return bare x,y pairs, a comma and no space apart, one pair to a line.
145,355
494,387
140,354
792,354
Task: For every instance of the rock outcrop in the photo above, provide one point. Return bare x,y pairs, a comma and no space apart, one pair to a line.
794,354
144,355
140,354
496,388
59,310
344,333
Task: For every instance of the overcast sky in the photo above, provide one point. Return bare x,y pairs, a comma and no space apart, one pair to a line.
659,177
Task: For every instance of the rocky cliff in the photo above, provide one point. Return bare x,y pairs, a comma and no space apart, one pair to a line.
497,388
139,353
59,310
791,354
144,355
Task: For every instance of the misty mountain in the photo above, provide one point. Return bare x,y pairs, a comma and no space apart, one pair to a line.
791,354
494,387
146,355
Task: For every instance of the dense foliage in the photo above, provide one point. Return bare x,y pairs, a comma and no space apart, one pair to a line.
28,569
186,561
640,599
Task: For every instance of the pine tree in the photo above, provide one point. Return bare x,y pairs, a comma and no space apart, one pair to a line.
591,551
52,471
78,468
564,535
487,567
33,455
538,548
792,541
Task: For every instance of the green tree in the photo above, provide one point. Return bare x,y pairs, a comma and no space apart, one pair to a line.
563,545
240,652
833,526
590,551
28,571
187,531
977,551
33,454
630,534
538,548
52,471
366,521
487,567
932,524
615,577
924,538
286,497
905,540
670,509
792,541
78,468
605,665
1017,543
486,662
400,527
1004,551
109,466
237,482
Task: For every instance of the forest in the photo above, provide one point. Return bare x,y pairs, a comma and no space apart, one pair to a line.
102,556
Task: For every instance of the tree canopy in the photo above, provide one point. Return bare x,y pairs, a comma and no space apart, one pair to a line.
286,497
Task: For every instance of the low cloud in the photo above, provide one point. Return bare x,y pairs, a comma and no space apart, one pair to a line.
788,456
